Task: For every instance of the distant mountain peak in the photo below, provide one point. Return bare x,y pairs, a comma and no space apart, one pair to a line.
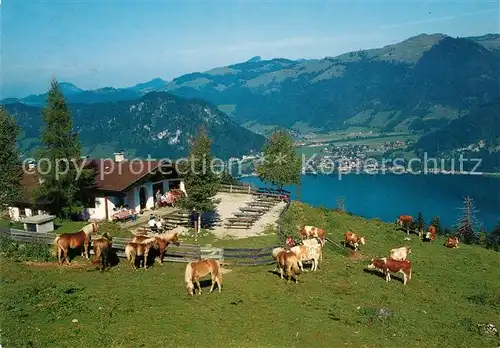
254,59
69,88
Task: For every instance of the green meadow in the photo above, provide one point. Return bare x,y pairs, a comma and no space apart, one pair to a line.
451,291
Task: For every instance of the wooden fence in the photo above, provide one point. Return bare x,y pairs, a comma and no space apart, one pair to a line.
237,188
182,253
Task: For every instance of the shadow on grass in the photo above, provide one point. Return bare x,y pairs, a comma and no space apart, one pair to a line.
381,275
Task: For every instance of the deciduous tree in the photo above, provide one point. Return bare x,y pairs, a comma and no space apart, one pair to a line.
201,181
280,165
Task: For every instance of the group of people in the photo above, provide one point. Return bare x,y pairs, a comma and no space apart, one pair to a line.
156,223
165,199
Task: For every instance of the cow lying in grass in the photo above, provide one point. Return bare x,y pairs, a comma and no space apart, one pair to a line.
451,242
400,253
386,266
353,240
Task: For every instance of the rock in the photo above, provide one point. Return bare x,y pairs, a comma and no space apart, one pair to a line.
488,329
384,313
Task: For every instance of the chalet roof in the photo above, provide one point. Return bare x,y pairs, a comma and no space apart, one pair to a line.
110,175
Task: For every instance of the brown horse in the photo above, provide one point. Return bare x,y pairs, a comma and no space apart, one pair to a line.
162,241
102,247
66,241
288,261
132,250
198,269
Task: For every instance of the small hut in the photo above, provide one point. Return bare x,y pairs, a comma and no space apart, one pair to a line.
39,223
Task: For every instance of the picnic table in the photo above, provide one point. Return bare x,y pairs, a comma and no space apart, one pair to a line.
124,215
257,210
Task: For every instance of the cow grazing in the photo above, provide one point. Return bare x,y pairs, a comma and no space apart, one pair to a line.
387,265
353,240
308,232
400,253
451,242
308,253
405,221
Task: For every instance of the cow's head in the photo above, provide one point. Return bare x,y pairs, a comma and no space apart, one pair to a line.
362,240
371,265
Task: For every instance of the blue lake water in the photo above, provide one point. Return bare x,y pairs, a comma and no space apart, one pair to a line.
388,196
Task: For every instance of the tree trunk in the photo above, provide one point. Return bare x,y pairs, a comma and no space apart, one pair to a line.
197,227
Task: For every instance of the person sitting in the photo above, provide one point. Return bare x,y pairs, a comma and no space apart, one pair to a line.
289,243
152,223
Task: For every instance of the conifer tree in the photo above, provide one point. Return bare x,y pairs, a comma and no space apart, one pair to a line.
280,165
466,226
11,170
420,223
493,238
59,156
202,183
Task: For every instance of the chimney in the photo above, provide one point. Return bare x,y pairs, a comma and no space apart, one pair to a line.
119,156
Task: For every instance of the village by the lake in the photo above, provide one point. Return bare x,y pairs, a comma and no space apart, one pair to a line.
249,174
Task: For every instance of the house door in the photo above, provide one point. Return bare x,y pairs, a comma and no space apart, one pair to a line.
157,187
142,197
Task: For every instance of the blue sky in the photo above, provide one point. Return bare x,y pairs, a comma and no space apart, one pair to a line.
120,43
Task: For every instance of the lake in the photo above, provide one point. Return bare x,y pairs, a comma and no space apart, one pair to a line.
388,196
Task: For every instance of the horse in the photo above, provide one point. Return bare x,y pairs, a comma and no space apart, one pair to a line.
275,252
162,241
288,260
198,269
139,249
102,248
66,241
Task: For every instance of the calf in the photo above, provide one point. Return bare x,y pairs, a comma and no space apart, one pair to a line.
400,253
353,239
308,253
451,242
307,232
386,266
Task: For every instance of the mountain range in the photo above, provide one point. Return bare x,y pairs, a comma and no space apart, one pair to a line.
158,124
423,85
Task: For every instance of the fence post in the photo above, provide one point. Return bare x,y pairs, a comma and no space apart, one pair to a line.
230,188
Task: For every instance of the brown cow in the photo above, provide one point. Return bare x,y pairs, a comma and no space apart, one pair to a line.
405,221
387,265
353,239
451,242
307,232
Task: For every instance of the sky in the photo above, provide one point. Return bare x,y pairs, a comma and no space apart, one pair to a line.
99,43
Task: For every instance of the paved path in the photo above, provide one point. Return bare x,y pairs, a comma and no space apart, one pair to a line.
144,218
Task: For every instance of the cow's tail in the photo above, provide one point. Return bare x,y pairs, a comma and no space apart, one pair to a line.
54,248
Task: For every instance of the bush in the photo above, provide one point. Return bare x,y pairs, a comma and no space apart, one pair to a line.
25,251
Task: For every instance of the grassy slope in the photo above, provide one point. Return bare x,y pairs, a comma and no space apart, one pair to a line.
123,308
